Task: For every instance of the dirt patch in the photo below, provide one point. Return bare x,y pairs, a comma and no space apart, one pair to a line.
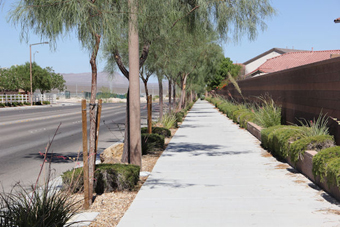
281,166
266,154
331,211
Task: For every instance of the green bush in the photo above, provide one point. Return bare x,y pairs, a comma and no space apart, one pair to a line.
245,117
333,172
8,104
180,115
151,142
46,102
158,130
2,105
278,138
37,103
27,103
317,143
15,104
322,159
266,141
237,113
20,104
109,178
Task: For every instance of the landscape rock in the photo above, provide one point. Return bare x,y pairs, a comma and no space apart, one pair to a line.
112,154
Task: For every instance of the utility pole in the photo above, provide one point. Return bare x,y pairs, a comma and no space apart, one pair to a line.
31,68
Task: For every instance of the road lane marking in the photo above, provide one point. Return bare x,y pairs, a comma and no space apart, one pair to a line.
50,117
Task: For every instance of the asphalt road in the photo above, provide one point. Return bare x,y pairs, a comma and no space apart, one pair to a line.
25,132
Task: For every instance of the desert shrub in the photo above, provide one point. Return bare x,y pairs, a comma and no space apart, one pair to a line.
180,115
278,138
268,114
151,142
333,172
266,141
189,106
317,143
109,178
322,159
158,130
237,113
45,207
245,117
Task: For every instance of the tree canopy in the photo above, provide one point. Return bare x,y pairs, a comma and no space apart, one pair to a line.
18,77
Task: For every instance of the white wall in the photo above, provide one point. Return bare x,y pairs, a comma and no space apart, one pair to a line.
258,62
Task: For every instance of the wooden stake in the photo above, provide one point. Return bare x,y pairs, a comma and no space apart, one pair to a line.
87,196
149,114
99,113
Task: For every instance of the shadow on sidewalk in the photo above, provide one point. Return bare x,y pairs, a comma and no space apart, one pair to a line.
197,149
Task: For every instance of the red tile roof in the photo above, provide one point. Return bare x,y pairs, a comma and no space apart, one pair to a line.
294,59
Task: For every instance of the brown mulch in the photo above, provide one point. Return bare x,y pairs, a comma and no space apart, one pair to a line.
112,206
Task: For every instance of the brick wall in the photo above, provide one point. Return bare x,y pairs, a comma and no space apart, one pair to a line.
302,92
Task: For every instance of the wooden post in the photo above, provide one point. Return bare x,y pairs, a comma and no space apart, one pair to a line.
99,113
87,196
150,114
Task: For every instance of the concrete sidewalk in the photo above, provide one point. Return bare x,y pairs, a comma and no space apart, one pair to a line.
215,174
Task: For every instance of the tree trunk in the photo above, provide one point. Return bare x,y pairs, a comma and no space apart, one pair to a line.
134,96
160,85
93,124
183,85
170,88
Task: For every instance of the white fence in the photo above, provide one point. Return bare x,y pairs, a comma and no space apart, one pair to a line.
52,98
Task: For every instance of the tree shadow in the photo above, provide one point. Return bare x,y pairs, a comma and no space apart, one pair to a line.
158,183
57,157
198,149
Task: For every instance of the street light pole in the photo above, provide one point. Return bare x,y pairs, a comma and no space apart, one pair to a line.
31,68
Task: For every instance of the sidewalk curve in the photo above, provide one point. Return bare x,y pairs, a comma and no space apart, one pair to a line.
215,174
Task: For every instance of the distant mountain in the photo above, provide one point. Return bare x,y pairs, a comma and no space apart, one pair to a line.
79,82
103,79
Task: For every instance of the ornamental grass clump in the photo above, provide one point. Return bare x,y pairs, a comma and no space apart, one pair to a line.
268,113
316,127
169,120
41,207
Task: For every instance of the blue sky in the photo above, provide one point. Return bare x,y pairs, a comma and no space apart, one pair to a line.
299,24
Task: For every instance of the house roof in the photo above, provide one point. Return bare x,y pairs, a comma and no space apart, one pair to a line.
294,59
275,49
